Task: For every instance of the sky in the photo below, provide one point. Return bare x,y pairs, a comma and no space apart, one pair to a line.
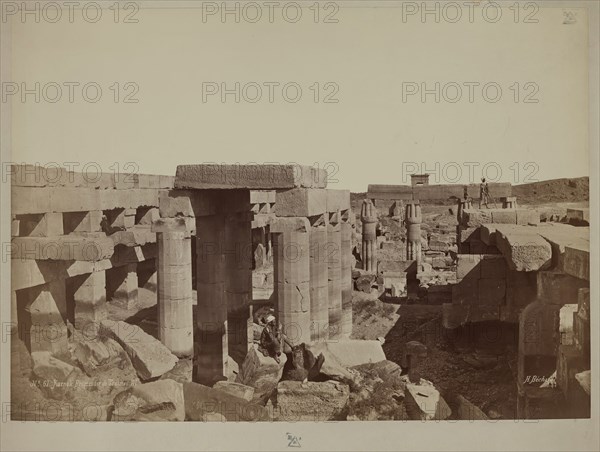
373,94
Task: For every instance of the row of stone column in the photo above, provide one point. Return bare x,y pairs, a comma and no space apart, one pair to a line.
312,275
412,220
312,272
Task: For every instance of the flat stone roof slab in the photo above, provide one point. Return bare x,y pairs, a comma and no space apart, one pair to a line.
253,177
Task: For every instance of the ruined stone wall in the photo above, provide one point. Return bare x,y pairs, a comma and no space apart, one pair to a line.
385,195
78,241
539,278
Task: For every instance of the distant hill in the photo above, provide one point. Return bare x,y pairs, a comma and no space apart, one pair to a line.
554,190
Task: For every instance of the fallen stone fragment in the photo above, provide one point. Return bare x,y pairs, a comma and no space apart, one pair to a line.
182,372
235,389
585,381
209,404
332,368
149,356
350,352
364,283
261,372
423,402
466,411
99,354
53,376
311,401
379,394
233,369
160,400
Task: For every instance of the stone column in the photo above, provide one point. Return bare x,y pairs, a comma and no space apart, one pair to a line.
334,275
368,216
174,265
413,231
90,299
509,202
238,283
319,283
291,265
212,355
346,256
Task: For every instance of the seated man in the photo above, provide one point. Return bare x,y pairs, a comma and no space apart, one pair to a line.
273,341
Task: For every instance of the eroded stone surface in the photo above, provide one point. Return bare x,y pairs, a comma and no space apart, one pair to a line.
205,404
311,401
160,400
237,389
524,250
149,357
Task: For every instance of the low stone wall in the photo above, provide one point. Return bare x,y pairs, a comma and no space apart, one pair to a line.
385,195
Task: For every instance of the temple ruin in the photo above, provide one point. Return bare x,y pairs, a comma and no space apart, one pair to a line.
171,277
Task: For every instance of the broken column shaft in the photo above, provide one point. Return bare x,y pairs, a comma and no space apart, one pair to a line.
369,239
174,265
413,231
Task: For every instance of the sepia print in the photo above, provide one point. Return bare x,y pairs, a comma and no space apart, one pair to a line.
239,213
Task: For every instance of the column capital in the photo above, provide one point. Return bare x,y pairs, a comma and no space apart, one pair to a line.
368,213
